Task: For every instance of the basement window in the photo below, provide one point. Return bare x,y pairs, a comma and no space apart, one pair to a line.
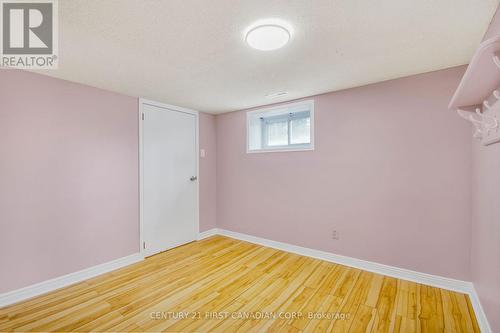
288,127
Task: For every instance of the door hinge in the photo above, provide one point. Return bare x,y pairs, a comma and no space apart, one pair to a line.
143,116
143,245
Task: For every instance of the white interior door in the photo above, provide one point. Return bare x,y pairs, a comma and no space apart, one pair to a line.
169,178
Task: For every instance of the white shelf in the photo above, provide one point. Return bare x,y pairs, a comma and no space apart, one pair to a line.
480,79
478,92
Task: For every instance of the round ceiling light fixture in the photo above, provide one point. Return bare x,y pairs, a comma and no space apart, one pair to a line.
268,35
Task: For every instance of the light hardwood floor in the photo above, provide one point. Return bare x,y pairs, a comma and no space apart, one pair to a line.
218,281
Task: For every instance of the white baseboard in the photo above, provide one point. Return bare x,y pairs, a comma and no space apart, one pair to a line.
18,295
396,272
484,325
400,273
207,233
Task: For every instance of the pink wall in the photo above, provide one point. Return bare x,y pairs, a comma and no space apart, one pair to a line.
207,172
68,177
485,253
391,172
486,230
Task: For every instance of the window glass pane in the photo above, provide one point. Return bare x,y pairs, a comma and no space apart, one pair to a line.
283,128
277,133
300,130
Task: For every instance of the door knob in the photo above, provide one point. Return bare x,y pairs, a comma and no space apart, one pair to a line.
193,178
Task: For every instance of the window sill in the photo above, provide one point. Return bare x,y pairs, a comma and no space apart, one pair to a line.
280,150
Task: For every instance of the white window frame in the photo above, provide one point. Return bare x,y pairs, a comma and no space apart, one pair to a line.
282,111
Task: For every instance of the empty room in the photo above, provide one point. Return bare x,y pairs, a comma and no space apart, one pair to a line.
250,166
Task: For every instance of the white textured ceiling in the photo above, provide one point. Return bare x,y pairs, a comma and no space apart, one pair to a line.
192,53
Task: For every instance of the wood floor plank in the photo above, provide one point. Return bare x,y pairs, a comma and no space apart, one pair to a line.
363,319
226,285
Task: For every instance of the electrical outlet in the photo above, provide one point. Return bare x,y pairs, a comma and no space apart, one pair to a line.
335,235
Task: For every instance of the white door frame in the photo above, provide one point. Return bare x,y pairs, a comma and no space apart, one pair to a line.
142,102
